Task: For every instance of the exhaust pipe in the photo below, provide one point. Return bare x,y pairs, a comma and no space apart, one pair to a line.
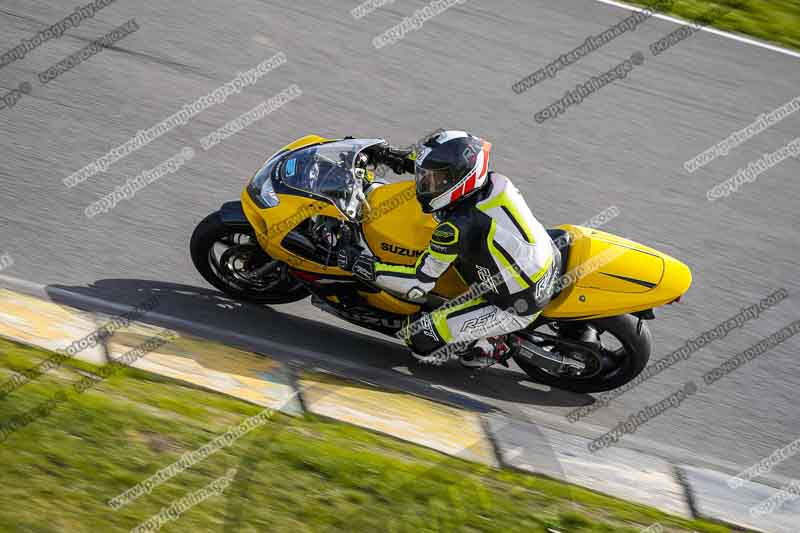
547,360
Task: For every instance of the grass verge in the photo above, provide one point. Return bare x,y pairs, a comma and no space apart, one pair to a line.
293,474
777,21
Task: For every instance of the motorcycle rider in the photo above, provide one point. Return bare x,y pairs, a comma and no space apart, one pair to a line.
487,232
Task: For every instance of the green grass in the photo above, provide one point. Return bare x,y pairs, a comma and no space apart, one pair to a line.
294,474
770,20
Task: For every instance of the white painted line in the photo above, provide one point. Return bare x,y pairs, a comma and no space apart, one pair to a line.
402,370
27,287
535,386
735,37
513,453
458,392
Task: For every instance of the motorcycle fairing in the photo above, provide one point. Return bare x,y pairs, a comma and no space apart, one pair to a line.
625,277
629,277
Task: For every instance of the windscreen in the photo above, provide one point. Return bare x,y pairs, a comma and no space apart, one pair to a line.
325,170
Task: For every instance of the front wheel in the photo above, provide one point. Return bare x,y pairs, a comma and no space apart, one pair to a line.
619,351
230,259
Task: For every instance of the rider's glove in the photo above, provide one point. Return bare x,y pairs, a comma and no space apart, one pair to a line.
364,267
396,159
399,165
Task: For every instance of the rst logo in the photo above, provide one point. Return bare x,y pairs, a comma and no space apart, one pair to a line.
393,248
479,323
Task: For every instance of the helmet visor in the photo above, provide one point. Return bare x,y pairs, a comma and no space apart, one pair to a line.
432,182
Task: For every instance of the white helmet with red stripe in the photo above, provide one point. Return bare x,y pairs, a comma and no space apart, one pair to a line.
451,166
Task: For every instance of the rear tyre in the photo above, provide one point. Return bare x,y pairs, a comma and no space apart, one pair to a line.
617,362
230,258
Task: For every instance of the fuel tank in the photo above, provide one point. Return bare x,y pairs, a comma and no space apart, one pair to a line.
396,229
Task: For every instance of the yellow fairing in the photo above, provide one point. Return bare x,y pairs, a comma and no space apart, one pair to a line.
608,276
398,232
305,141
396,229
273,223
387,302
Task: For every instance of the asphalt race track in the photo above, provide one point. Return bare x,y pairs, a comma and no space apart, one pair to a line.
623,146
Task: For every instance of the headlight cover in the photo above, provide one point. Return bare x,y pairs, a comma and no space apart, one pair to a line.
260,187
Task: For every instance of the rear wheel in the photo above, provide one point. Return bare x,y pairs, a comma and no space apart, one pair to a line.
617,353
230,259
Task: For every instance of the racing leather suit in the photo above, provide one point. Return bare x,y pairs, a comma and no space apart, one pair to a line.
503,254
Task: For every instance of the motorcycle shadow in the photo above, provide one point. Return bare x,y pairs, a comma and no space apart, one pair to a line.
307,343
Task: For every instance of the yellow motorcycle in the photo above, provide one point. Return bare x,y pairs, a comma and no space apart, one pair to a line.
279,244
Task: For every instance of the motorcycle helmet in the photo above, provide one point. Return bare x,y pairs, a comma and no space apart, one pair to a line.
451,166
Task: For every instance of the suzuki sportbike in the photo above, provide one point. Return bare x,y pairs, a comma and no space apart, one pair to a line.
279,244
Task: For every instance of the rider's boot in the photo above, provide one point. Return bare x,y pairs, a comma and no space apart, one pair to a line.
489,351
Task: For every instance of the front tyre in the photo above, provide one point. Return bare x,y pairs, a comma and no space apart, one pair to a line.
621,355
230,258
